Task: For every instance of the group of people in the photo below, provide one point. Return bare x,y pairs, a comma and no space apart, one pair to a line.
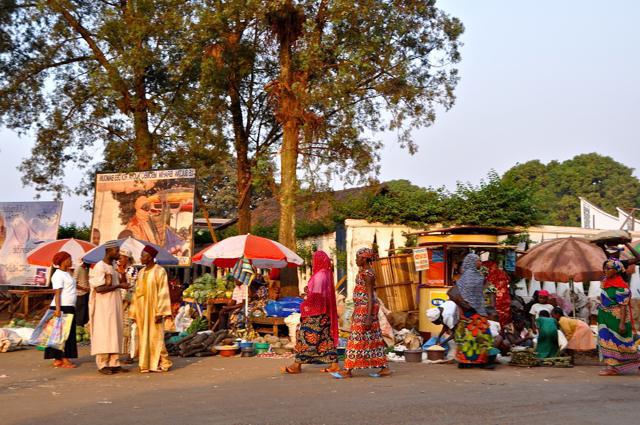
478,325
317,334
482,326
127,310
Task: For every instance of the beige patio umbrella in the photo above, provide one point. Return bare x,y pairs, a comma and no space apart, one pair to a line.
562,260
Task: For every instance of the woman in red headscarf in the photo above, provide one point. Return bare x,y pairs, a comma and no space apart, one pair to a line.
317,335
64,301
500,280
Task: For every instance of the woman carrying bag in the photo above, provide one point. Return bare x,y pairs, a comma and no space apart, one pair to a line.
64,301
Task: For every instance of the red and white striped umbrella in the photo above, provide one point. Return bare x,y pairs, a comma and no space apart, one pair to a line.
263,253
43,255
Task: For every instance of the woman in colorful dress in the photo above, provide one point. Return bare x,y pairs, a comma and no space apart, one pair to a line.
499,279
366,348
127,273
472,335
615,334
317,335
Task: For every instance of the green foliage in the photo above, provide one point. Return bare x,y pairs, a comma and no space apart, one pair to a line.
397,202
492,203
72,230
556,186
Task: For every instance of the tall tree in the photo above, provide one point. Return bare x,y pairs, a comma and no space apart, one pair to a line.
78,72
237,67
345,67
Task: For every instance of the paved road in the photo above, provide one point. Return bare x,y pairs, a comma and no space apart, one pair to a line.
251,391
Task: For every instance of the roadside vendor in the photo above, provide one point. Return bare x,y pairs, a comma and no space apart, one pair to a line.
446,315
235,303
542,305
547,345
515,334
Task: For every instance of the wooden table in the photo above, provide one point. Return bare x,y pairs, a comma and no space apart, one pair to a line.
213,306
25,302
270,321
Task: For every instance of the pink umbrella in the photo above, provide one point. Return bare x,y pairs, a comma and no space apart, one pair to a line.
43,255
263,253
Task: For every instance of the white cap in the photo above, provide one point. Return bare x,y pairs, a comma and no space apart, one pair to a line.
433,314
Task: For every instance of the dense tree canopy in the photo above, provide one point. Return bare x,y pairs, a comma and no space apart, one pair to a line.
557,186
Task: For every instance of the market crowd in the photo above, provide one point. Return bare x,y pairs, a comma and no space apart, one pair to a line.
484,321
129,310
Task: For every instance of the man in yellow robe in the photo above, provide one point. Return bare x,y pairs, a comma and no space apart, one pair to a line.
151,311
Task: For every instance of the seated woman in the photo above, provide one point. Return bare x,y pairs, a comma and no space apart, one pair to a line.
547,336
515,334
578,333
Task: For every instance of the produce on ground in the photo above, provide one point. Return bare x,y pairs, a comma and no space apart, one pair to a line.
199,324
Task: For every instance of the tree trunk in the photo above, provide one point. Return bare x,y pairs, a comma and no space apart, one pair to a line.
288,183
288,114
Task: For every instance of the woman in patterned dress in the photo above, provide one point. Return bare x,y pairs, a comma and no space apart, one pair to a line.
472,334
615,333
366,348
317,334
128,273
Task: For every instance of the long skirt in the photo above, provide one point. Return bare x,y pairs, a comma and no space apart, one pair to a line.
82,310
314,343
70,346
366,347
473,339
617,350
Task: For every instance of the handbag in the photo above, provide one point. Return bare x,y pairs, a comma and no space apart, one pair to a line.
52,332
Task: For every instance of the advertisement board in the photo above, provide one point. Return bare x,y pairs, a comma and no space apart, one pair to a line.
23,227
154,206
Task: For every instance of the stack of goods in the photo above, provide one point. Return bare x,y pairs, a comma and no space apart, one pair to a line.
525,357
207,287
278,345
82,335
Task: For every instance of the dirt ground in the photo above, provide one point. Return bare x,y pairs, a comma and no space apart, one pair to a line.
218,390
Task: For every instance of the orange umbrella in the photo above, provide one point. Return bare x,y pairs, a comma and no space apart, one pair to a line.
43,255
562,260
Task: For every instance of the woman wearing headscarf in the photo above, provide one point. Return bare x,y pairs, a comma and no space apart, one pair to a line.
317,335
366,347
500,280
615,333
472,335
64,301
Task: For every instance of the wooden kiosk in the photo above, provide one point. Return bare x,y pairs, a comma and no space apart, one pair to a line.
446,248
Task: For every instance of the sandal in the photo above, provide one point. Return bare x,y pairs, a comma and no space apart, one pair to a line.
329,370
288,370
608,372
381,373
340,375
68,366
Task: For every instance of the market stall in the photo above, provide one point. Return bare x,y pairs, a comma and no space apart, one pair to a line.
445,250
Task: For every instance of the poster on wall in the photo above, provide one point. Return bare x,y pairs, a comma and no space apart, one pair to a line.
23,227
154,206
421,259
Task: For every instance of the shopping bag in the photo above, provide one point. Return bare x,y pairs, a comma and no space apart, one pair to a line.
52,331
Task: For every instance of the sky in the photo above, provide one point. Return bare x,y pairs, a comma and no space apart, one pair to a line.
539,80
